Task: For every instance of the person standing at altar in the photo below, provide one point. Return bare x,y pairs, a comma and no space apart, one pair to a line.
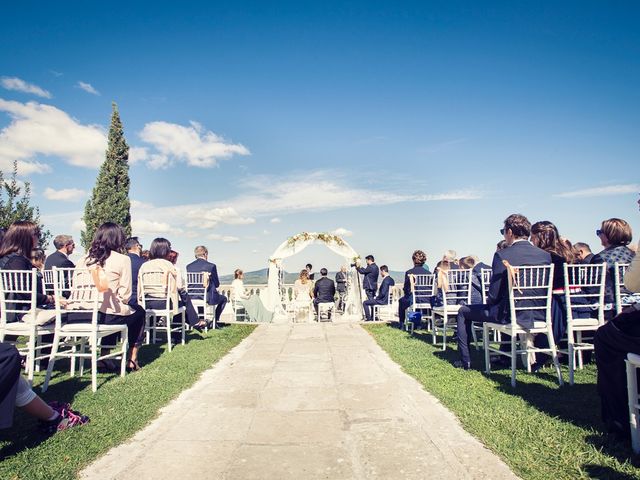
341,286
202,264
383,294
309,268
370,272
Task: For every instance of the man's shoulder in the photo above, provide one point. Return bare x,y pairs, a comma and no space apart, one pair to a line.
521,253
200,265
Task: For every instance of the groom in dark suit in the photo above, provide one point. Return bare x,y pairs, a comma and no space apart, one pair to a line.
519,252
201,264
383,294
324,291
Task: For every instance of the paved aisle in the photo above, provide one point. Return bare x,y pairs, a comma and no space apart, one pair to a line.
303,401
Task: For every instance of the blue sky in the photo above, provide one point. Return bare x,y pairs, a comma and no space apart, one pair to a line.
405,125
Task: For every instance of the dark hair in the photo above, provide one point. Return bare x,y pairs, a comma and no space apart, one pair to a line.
160,248
501,245
419,258
2,232
19,239
323,272
109,237
131,243
618,231
309,266
38,255
582,246
237,272
384,268
545,235
467,262
519,225
173,256
370,257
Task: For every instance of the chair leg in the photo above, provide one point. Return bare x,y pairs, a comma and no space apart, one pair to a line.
94,363
572,361
485,342
444,332
72,359
168,329
52,359
125,349
554,353
513,360
433,329
632,392
31,355
580,364
182,324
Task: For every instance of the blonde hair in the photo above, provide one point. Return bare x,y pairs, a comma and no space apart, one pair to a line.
304,276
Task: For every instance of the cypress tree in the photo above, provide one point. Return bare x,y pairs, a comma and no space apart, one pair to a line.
109,200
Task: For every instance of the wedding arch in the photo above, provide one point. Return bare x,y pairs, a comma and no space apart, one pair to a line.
276,292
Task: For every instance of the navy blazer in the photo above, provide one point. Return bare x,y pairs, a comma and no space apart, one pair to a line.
406,288
57,259
521,253
383,293
324,290
476,282
201,265
136,263
370,273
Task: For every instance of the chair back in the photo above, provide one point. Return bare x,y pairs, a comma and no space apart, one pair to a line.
530,291
47,282
584,287
618,284
197,283
17,294
157,285
485,281
82,293
458,287
423,288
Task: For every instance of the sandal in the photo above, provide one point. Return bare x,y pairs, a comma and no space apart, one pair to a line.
200,326
133,366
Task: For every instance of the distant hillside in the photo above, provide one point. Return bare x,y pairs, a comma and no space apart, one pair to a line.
258,277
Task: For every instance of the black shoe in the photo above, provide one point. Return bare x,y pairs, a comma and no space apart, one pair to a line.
108,366
500,362
461,364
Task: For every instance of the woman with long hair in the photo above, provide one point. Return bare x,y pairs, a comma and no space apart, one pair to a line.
105,254
160,255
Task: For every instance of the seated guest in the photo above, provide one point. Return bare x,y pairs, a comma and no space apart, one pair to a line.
114,269
134,249
516,231
15,254
38,258
324,290
15,391
159,253
202,264
501,245
477,266
60,258
418,258
383,293
583,252
252,304
615,235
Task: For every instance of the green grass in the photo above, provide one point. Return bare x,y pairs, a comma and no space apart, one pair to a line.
540,430
119,408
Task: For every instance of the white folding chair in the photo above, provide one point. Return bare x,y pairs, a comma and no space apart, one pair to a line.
158,286
423,288
18,298
530,290
47,282
633,364
385,311
70,339
618,284
584,287
196,286
485,282
455,292
239,312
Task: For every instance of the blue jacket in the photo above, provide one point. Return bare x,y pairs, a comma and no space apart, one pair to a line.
406,288
201,265
370,281
383,293
136,263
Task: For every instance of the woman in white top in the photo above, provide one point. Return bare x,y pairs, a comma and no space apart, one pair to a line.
252,304
159,254
303,289
237,286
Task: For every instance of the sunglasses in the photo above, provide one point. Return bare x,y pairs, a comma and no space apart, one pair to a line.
598,232
502,231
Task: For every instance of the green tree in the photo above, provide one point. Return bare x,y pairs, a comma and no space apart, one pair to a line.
15,204
109,200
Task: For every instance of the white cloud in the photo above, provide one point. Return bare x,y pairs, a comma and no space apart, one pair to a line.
191,144
87,87
223,238
19,85
142,226
39,129
138,154
209,217
601,191
275,220
342,232
137,204
65,194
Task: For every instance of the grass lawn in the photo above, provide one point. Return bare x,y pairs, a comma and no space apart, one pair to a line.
119,408
540,430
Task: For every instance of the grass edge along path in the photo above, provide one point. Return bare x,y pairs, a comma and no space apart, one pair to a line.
540,430
120,408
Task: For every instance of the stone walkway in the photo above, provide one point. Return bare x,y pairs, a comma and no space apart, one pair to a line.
303,401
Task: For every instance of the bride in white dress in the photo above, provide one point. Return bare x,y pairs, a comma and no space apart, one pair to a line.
302,295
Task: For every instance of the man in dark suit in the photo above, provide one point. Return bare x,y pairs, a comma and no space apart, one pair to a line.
64,245
309,268
370,281
201,264
520,252
419,258
341,286
584,253
476,280
324,291
134,249
383,294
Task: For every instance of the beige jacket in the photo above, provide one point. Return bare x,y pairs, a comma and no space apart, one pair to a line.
167,268
117,273
632,277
